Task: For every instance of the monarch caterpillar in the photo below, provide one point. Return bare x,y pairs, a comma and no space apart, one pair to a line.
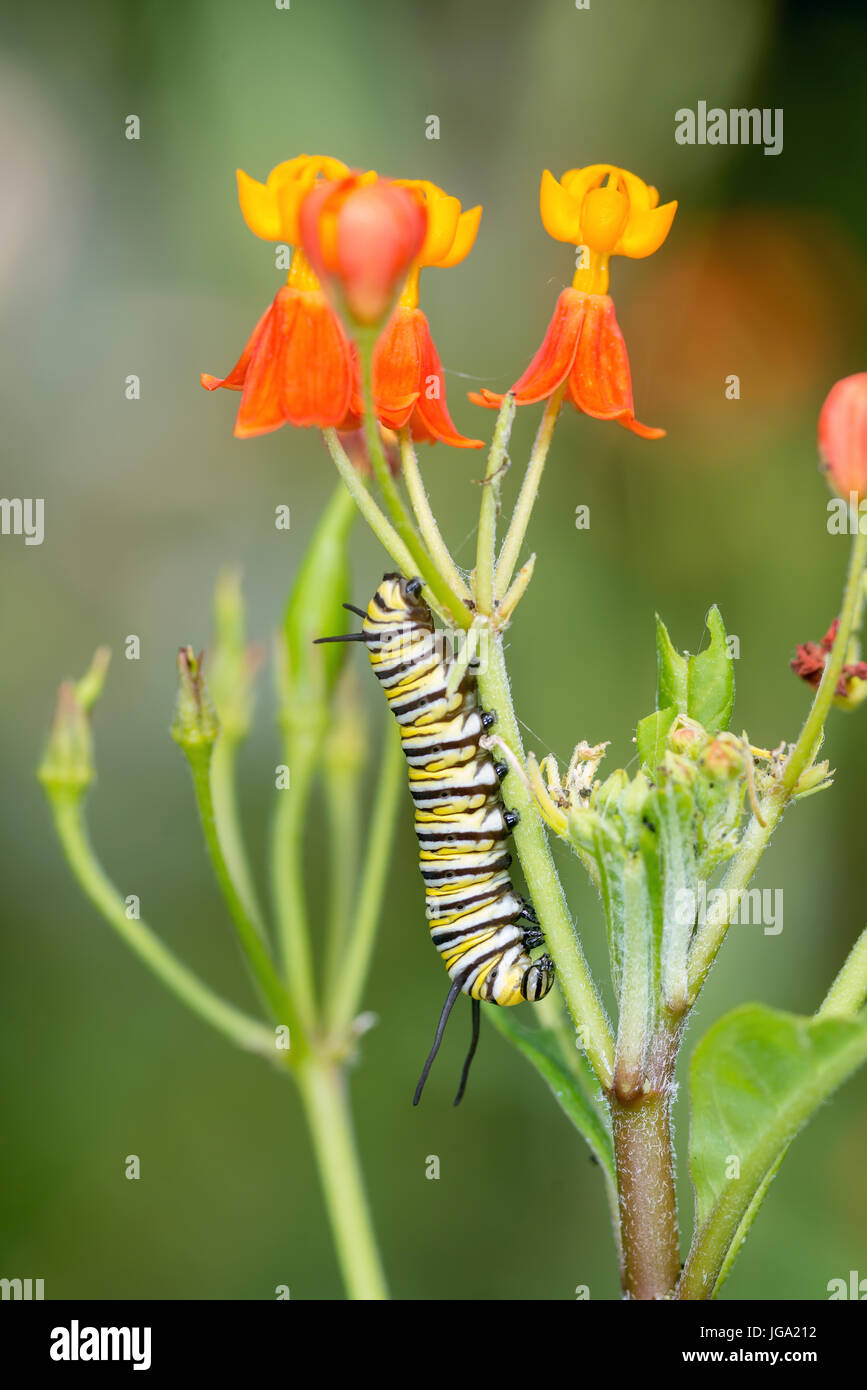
474,912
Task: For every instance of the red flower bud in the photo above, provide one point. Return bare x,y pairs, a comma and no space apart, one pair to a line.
843,436
364,233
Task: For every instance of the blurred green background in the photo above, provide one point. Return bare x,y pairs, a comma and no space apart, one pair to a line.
122,257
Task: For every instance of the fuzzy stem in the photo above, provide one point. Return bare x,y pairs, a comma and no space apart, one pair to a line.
427,524
287,872
546,891
326,1103
849,990
648,1206
376,520
812,731
225,797
377,865
439,587
245,1032
256,952
483,585
527,496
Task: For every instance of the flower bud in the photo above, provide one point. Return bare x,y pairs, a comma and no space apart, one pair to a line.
67,764
843,436
195,725
363,233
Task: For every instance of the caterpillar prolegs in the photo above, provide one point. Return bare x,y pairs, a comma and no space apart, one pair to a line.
483,929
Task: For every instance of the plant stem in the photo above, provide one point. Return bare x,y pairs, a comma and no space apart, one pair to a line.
346,999
849,990
225,797
812,731
648,1206
378,523
527,496
257,953
287,872
238,1027
326,1103
435,582
544,885
483,584
427,525
344,837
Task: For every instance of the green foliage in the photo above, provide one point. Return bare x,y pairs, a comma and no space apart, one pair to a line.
756,1077
701,686
541,1048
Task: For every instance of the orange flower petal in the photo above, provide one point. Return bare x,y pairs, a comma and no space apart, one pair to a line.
431,418
397,368
553,361
235,380
600,383
261,408
316,366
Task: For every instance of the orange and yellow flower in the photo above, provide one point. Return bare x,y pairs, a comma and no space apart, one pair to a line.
605,211
408,382
298,366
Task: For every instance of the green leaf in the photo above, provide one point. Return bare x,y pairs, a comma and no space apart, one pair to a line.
756,1077
315,604
672,672
711,680
651,736
542,1050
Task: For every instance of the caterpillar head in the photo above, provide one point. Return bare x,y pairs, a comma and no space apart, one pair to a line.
405,594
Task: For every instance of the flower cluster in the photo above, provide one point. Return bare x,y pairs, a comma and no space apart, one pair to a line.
360,240
359,243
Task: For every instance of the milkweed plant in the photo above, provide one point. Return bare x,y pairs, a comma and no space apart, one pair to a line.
671,847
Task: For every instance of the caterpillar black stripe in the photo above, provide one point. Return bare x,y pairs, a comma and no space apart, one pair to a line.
477,919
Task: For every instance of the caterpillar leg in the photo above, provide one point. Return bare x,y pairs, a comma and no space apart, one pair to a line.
529,911
538,979
533,937
438,1037
477,1009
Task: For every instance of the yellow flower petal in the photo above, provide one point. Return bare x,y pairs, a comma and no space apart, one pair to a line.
442,224
561,213
259,207
465,236
646,231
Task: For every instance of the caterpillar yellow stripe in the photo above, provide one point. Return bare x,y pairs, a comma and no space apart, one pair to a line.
483,929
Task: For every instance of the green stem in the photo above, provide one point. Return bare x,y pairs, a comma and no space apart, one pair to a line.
811,733
326,1103
427,525
527,496
287,872
710,935
238,1027
257,953
634,1023
378,523
849,990
648,1205
483,585
224,792
346,999
438,586
344,839
545,889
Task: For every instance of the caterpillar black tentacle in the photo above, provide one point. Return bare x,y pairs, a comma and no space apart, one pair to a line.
474,912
